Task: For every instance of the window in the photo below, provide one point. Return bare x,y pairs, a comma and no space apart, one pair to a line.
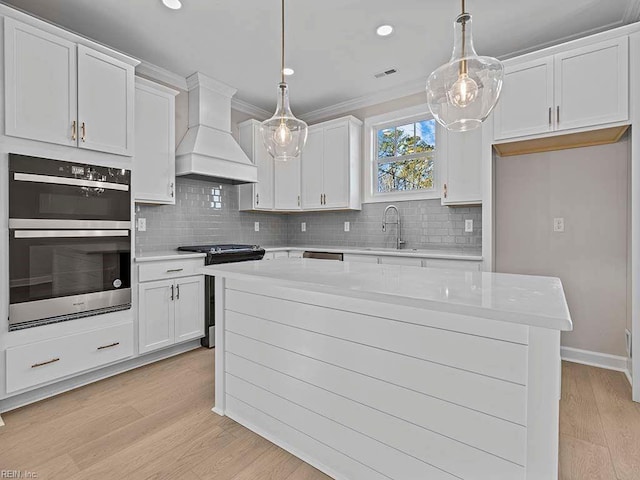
401,160
406,157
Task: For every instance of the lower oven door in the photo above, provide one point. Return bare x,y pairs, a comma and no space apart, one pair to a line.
57,275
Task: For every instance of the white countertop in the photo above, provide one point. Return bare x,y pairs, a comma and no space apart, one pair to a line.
444,253
522,299
166,255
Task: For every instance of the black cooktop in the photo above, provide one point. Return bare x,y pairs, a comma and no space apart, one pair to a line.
227,253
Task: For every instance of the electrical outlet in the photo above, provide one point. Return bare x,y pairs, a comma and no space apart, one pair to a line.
303,227
468,226
142,224
558,224
347,226
256,226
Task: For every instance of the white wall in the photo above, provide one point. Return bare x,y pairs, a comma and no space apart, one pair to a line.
589,188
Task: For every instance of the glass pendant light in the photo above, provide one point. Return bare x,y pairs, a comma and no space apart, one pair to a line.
283,134
462,93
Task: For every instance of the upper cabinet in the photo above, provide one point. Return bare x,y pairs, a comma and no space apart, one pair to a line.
256,196
154,158
61,92
331,165
575,89
461,163
287,193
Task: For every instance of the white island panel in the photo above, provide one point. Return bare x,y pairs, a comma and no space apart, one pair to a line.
397,372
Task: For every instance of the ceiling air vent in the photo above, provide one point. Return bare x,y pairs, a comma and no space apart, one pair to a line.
386,73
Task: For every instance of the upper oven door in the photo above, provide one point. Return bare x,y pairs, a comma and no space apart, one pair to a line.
82,196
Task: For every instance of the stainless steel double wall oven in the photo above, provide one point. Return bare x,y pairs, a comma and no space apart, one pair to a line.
69,240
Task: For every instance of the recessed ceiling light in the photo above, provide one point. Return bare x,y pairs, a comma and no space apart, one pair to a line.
288,71
172,4
384,30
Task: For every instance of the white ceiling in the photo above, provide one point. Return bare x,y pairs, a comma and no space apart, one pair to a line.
331,44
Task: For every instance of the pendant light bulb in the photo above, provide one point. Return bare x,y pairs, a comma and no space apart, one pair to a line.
283,135
462,93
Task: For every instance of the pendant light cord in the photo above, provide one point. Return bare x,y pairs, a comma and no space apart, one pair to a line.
463,64
282,66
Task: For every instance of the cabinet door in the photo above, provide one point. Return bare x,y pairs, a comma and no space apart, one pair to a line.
263,198
461,169
312,169
105,103
189,305
154,158
526,102
592,85
405,261
40,89
336,166
287,185
156,316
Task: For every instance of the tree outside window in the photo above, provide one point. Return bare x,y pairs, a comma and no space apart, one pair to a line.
405,157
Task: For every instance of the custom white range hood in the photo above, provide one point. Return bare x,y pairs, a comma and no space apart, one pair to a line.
208,150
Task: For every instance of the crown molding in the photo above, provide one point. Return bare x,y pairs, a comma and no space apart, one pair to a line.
250,109
200,80
162,75
632,13
393,93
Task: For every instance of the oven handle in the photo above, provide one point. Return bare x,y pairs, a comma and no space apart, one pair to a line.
69,233
74,182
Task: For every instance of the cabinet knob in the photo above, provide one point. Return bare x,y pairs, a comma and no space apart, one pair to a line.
74,135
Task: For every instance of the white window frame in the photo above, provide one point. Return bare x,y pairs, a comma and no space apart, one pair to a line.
370,170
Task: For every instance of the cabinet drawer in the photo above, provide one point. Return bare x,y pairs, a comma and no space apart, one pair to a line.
42,362
453,264
409,261
169,269
349,257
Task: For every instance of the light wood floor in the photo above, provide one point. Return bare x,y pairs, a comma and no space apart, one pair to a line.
155,423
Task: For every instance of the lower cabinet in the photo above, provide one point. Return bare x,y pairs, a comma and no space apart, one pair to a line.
170,311
43,362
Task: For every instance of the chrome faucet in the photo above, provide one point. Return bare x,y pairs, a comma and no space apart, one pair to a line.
398,223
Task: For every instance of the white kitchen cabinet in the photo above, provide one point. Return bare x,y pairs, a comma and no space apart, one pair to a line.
287,185
579,88
469,265
40,88
106,91
156,315
154,157
62,92
331,165
460,166
526,102
355,258
170,303
312,169
396,260
256,196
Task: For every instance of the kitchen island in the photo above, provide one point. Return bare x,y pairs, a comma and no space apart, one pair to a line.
372,372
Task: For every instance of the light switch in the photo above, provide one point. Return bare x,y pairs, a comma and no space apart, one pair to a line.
142,224
256,226
303,227
558,224
347,226
468,226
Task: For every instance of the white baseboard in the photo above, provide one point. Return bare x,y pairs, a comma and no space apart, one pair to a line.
32,396
596,359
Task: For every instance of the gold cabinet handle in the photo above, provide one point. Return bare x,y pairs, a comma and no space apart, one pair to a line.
53,360
445,193
74,133
84,132
114,344
175,270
